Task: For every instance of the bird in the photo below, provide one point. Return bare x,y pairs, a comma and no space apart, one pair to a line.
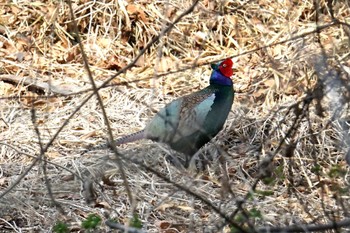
186,124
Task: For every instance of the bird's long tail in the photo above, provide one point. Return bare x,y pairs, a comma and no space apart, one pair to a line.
126,139
130,138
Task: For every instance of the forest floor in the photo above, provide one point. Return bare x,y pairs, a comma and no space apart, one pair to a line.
283,147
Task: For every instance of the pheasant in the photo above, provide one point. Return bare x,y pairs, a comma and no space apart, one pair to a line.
189,122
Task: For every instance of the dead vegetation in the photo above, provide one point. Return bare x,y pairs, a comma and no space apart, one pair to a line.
284,144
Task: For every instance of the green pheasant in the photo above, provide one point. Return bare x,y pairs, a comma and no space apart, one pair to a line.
189,122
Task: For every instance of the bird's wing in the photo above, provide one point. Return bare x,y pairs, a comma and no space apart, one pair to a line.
193,115
163,125
180,118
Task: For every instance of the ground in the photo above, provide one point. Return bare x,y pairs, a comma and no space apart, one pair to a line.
283,148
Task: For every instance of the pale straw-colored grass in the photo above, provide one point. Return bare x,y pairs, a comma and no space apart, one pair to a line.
38,41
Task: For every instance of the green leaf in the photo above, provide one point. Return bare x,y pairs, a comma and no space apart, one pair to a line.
60,227
279,172
91,222
269,180
316,169
240,218
135,222
234,230
337,171
255,213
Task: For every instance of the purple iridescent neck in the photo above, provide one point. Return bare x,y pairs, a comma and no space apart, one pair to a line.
218,78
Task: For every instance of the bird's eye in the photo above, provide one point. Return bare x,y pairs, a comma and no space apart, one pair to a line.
224,65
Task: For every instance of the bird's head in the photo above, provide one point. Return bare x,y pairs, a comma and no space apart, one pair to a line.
222,73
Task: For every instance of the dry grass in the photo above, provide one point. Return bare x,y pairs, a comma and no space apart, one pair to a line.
284,149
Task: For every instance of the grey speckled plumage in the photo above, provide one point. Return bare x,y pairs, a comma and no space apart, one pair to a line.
189,122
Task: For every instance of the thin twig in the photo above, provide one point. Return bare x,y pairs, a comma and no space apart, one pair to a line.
307,228
181,187
123,228
43,159
44,164
100,102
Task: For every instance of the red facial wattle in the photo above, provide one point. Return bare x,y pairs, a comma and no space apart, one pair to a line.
226,68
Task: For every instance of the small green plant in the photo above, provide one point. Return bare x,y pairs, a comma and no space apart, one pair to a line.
242,219
280,172
234,230
239,218
60,227
91,222
135,222
269,180
337,171
255,213
316,169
